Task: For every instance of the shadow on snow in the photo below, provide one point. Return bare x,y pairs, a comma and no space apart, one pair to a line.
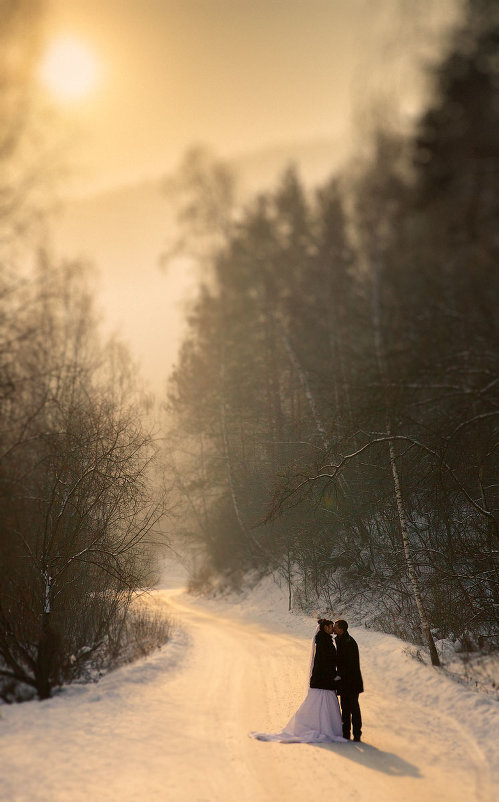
373,758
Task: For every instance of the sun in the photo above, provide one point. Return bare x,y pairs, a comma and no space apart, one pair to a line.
69,69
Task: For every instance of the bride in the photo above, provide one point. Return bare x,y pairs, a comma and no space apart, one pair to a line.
318,719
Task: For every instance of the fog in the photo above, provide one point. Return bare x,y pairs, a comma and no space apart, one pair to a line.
234,75
281,218
261,84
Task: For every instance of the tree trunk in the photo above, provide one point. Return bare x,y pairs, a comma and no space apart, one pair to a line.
45,659
319,425
404,532
228,462
425,626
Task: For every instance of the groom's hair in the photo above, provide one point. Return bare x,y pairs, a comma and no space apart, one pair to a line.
342,624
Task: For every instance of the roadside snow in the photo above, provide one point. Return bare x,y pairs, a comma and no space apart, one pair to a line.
458,713
175,725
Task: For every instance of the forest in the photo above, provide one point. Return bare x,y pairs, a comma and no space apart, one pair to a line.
335,405
333,415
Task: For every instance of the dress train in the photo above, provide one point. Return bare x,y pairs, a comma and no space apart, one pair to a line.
317,720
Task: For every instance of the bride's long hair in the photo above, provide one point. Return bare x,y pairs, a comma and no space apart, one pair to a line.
321,623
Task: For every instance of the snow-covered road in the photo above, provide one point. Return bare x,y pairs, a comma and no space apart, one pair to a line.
175,726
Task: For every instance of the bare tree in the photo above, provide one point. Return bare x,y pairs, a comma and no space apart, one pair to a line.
77,497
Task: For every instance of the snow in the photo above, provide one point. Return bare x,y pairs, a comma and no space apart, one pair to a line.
175,725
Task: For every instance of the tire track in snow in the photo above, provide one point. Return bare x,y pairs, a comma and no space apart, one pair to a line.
481,769
407,727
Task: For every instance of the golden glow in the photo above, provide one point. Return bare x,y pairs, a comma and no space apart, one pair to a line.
69,69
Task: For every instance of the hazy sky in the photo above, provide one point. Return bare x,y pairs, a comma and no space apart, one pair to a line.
267,81
234,74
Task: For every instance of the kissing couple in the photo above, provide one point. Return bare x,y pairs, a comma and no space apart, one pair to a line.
334,672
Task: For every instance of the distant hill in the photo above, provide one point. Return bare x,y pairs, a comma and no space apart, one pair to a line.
315,160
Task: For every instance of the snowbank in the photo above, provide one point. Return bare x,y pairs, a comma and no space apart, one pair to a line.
175,725
388,666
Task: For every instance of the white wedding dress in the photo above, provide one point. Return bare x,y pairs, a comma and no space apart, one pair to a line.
317,720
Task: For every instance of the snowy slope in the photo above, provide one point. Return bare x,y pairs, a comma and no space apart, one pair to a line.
175,725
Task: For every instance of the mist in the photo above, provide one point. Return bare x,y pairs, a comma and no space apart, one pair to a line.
249,381
261,87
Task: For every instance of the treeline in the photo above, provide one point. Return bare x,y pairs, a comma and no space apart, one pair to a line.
76,495
78,503
336,400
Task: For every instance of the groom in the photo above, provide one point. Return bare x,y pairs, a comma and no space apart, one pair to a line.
348,666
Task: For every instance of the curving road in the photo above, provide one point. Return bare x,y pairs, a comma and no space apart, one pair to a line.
240,677
175,727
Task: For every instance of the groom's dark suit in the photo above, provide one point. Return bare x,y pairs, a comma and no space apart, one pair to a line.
348,664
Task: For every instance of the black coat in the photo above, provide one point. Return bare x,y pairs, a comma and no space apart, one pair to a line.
348,664
324,669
